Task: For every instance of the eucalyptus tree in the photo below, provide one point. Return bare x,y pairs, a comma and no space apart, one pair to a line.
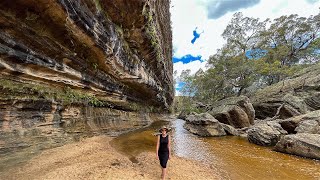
242,46
288,42
255,54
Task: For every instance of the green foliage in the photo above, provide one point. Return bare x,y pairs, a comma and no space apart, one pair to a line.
151,30
255,55
186,104
98,5
95,66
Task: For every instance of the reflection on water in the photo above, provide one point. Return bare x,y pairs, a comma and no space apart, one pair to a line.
234,157
188,145
135,142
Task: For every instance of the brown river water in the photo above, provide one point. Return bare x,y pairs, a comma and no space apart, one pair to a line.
234,157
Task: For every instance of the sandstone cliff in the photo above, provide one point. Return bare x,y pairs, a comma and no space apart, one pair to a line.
117,51
69,65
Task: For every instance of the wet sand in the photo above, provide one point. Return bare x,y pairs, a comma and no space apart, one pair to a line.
95,158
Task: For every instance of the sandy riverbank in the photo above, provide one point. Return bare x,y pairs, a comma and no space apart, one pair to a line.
95,158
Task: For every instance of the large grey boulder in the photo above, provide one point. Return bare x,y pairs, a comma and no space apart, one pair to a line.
265,134
308,126
275,125
183,114
204,125
302,144
235,111
230,130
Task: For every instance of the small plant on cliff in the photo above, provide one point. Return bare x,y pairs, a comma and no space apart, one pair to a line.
95,66
151,30
31,16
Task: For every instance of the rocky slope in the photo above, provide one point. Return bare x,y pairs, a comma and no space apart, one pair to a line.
295,96
61,58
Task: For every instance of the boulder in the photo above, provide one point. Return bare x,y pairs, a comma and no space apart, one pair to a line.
275,125
301,144
308,126
235,111
183,114
265,134
291,124
243,132
204,125
230,130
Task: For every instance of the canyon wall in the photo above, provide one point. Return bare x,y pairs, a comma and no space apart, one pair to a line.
59,58
118,51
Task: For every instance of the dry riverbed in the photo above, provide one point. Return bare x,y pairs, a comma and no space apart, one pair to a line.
95,158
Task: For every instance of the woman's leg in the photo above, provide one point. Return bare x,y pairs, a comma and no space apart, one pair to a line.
163,162
164,173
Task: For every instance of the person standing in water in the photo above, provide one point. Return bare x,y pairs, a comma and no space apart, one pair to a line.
163,149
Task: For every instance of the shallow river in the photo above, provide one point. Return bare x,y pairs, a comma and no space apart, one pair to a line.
233,157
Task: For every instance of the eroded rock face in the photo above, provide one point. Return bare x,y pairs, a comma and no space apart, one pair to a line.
117,50
308,126
265,134
298,124
302,144
295,96
230,130
42,124
204,125
59,56
236,111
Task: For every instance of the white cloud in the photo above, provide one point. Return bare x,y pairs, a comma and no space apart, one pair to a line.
178,93
194,66
218,8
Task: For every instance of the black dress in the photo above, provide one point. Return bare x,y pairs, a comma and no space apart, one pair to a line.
163,151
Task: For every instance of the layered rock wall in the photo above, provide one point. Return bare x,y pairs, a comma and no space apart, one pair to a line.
72,66
115,50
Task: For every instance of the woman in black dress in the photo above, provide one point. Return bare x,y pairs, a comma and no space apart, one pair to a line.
163,149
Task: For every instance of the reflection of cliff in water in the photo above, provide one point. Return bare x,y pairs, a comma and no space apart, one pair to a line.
138,141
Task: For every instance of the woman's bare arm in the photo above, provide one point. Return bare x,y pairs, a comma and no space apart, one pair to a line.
158,144
169,146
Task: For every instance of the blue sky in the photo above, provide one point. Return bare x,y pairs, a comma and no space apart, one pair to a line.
197,25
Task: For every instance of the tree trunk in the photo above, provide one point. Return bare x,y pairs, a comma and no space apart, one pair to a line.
240,91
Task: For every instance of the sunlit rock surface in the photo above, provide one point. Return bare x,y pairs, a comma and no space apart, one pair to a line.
204,125
301,144
235,111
